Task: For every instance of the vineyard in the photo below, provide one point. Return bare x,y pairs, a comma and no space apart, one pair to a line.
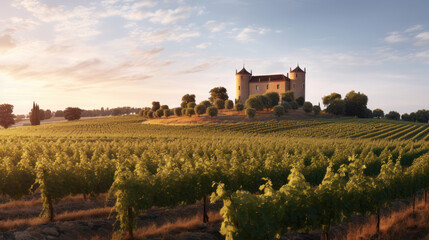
273,176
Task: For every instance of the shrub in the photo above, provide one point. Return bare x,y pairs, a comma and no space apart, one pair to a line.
151,114
212,111
316,109
258,102
300,100
167,112
191,105
286,107
184,111
206,103
288,96
142,113
337,107
177,111
393,115
278,111
164,107
229,104
219,103
250,112
239,107
159,113
307,107
330,98
190,112
293,105
187,98
218,93
200,109
274,98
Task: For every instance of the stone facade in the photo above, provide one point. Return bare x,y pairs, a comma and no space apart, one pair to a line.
248,84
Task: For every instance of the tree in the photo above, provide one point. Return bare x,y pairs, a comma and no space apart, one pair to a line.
59,113
219,103
288,96
167,112
337,107
191,105
218,93
393,115
286,107
116,112
72,113
274,98
155,106
356,104
151,114
229,104
255,103
422,116
206,103
316,109
330,98
300,100
278,110
35,115
6,115
178,111
164,107
200,110
250,112
212,111
407,117
307,107
239,107
159,113
187,98
190,112
378,113
42,114
293,105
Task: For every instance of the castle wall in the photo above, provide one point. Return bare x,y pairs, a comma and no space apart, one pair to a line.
242,87
276,86
297,84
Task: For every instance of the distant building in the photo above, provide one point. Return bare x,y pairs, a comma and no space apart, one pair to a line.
247,84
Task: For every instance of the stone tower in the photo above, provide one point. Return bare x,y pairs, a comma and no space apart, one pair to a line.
242,79
297,81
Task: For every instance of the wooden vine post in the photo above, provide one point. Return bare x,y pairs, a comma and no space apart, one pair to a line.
205,216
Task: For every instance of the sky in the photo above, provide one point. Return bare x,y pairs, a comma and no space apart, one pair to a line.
111,53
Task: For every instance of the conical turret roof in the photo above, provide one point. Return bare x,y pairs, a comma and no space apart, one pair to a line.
297,69
244,71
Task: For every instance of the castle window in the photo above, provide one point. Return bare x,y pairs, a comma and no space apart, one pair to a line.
238,87
278,86
257,87
267,86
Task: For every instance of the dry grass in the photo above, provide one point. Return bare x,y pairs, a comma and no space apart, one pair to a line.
7,225
177,225
397,225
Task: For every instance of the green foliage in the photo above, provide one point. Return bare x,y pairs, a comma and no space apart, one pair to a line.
219,103
239,107
378,113
288,96
229,104
200,109
278,111
212,111
163,107
274,98
35,115
258,102
300,100
187,98
191,105
151,114
206,103
307,107
330,98
393,115
337,107
72,113
159,113
190,112
218,93
293,104
250,112
6,115
316,109
355,104
167,113
286,106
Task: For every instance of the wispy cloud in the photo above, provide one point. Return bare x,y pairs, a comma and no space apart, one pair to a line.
248,34
422,38
215,26
6,43
395,37
203,45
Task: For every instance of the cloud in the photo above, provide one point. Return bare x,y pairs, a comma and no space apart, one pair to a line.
395,37
249,33
422,38
414,28
167,34
203,45
6,43
214,26
170,16
197,68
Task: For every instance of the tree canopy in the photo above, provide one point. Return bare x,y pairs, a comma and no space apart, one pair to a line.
218,93
6,115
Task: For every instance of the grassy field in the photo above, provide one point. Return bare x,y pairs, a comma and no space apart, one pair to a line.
176,164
